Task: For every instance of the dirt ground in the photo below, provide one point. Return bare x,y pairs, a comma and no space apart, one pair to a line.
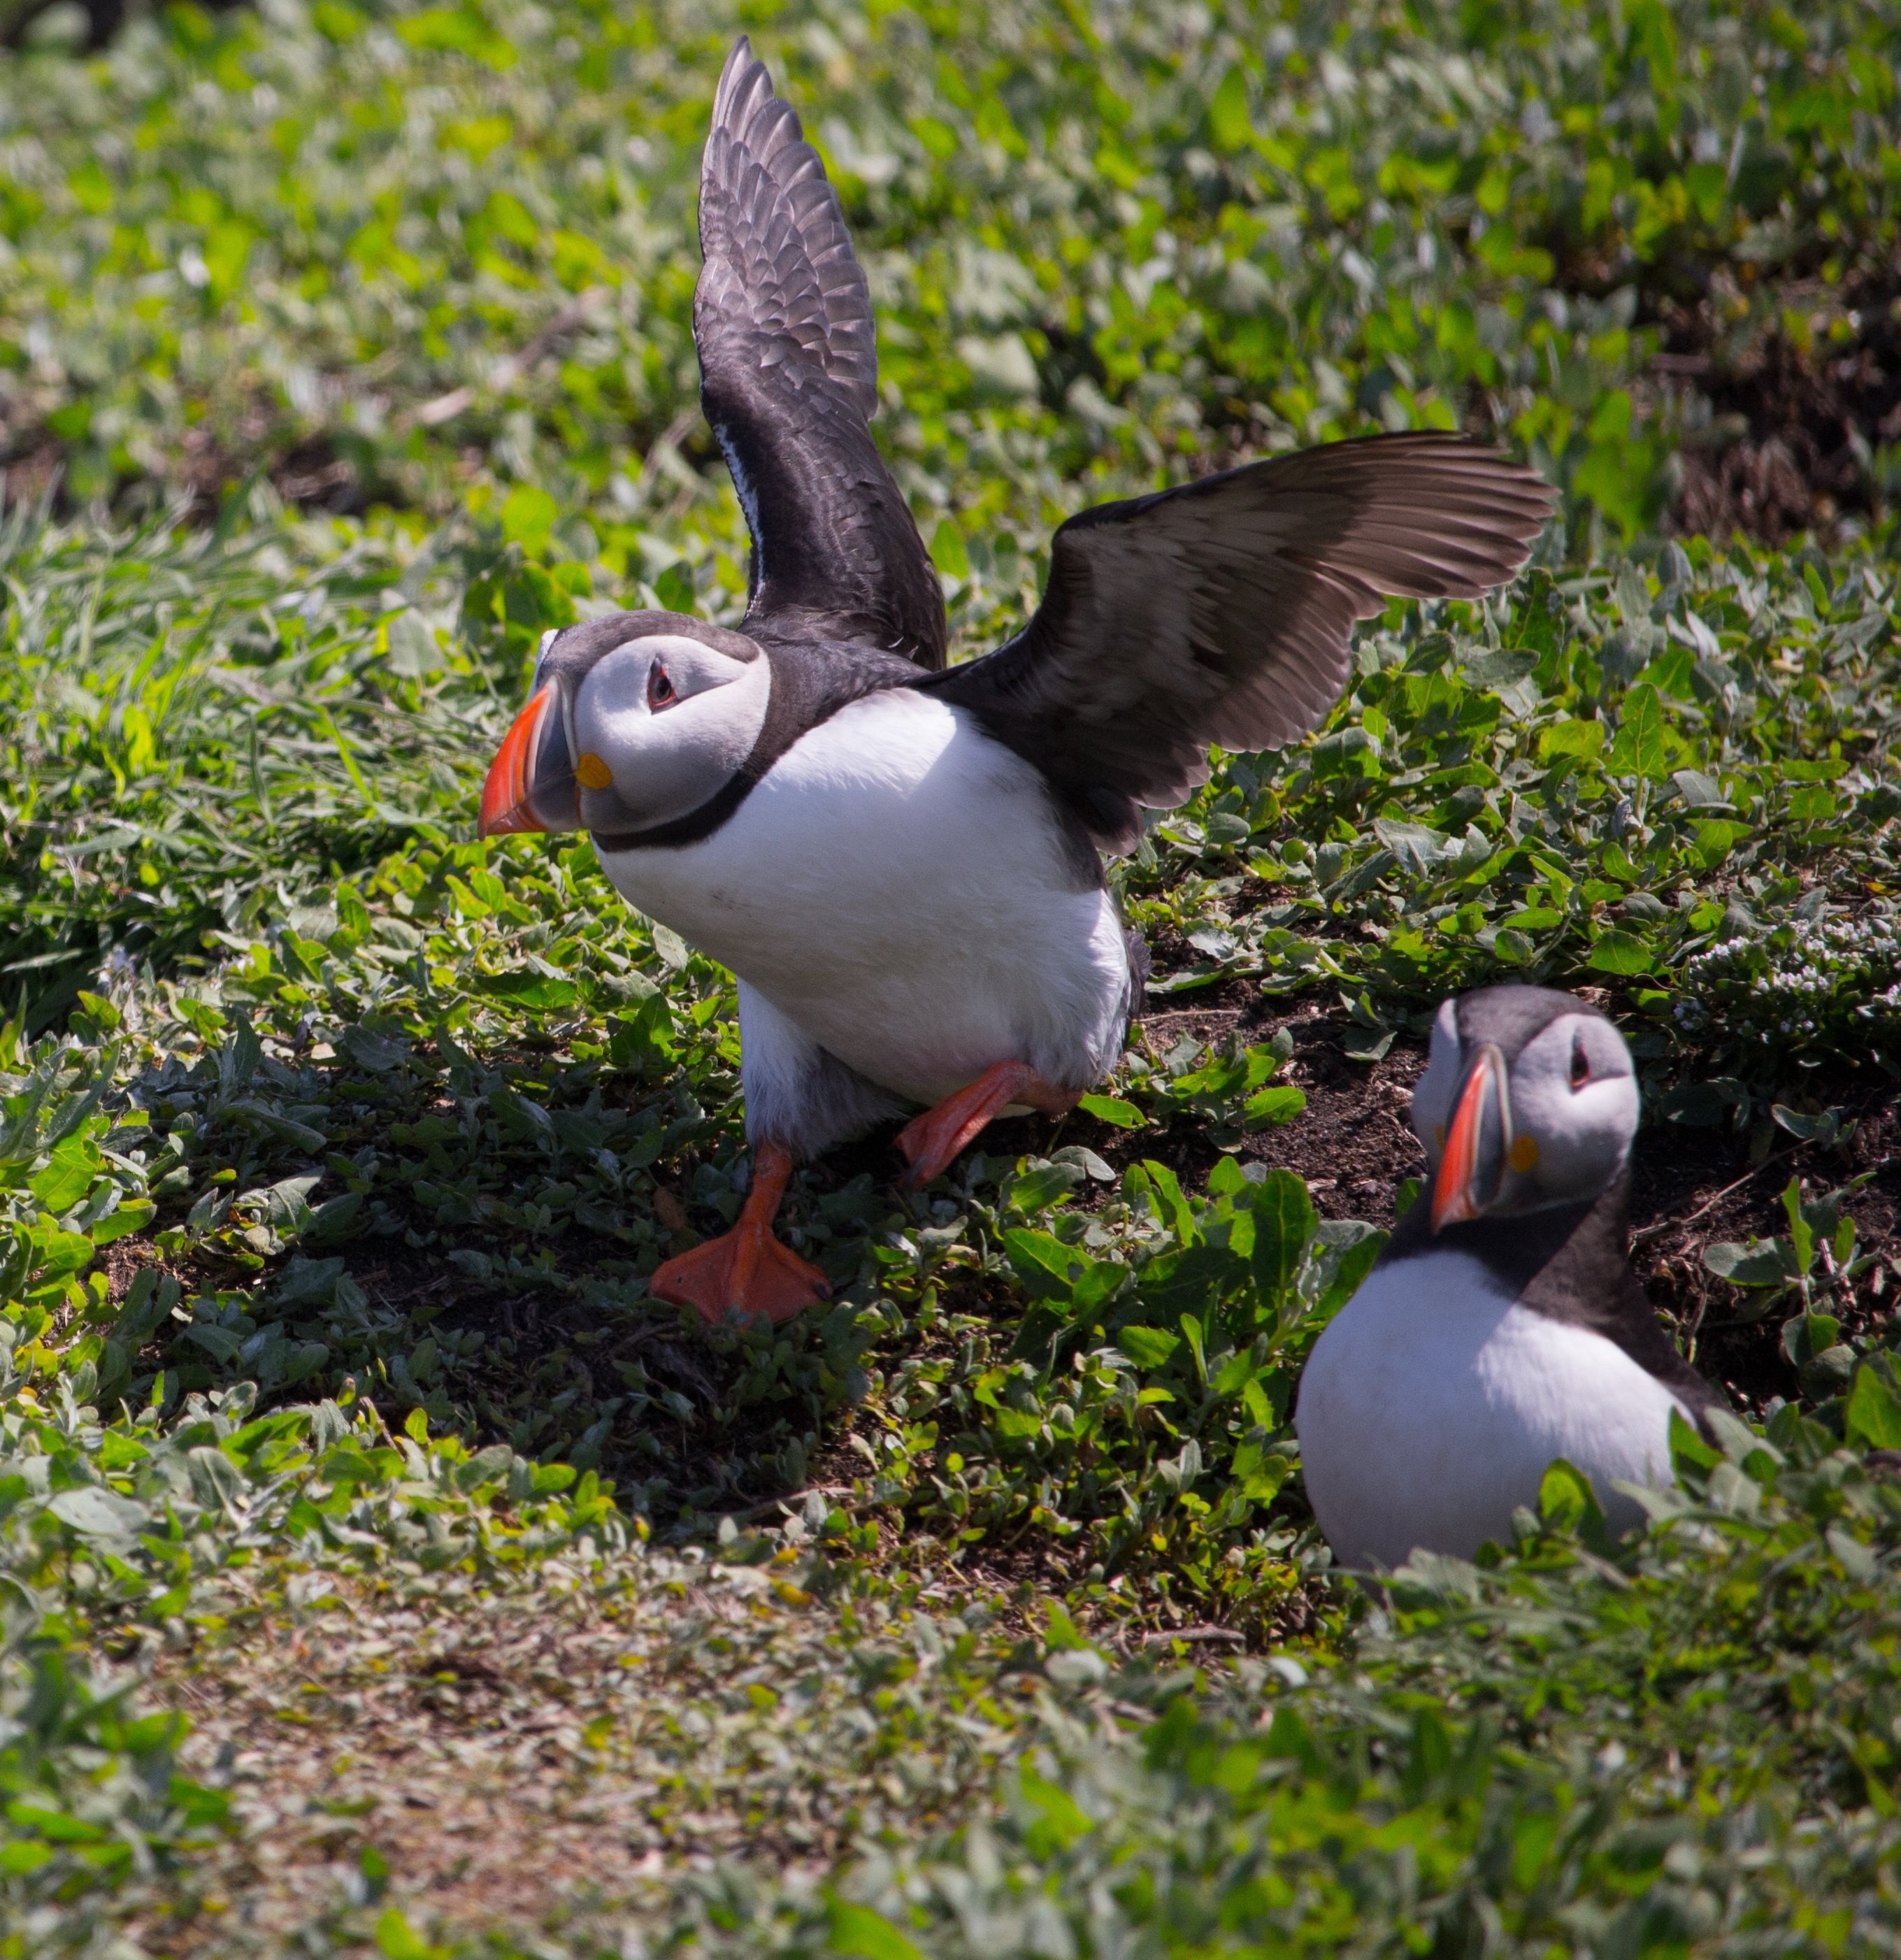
1791,428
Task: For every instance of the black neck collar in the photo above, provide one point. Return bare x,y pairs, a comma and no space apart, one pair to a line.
1571,1263
810,681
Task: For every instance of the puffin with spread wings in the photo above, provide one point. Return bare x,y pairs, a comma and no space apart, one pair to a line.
901,861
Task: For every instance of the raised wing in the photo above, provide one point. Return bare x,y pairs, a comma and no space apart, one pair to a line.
1221,611
789,378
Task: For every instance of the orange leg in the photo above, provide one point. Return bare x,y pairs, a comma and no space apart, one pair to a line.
747,1270
932,1141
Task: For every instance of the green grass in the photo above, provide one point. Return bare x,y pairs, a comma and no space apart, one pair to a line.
336,1148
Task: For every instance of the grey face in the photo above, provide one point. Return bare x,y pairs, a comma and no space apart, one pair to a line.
634,721
1529,1099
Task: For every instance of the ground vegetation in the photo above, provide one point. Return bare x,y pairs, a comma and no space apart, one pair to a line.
384,1571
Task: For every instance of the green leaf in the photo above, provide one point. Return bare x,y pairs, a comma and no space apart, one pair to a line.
1582,740
1346,1269
1671,672
1273,1107
1041,1186
1229,124
674,589
1061,1822
1616,952
1801,1233
1112,1110
1699,790
57,1253
536,991
1235,1375
58,1825
1687,1448
1284,1221
947,550
1754,1264
133,1215
396,1939
99,1514
1060,1632
857,1930
1047,1268
68,1175
1639,750
1147,1346
1873,1416
528,516
1568,1502
1157,1186
1417,847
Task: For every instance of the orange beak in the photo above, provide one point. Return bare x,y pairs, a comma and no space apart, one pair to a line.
1477,1145
505,805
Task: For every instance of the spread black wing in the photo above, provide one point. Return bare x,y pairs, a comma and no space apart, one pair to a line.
1221,611
789,377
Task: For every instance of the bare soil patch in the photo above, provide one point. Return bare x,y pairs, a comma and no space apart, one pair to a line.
1798,407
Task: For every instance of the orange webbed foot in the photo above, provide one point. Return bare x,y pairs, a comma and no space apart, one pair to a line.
746,1270
932,1141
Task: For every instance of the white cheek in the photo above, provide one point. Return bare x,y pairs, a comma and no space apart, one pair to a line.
1583,1136
666,766
1432,1096
654,781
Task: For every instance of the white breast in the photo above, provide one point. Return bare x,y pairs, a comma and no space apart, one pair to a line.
898,887
1432,1404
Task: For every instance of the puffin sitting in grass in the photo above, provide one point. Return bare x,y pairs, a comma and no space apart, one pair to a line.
1502,1325
902,861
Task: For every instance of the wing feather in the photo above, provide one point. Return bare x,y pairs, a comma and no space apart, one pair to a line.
1221,611
788,380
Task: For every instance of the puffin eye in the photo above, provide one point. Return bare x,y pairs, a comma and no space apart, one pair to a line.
659,689
1580,1064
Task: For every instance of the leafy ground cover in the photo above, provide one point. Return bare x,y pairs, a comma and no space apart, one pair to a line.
384,1571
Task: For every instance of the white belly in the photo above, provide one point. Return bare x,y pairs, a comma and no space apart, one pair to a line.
897,887
1431,1405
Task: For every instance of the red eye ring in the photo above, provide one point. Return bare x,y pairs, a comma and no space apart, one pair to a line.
659,689
1580,1064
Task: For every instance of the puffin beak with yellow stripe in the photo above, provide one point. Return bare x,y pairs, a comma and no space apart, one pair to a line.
901,861
676,703
1555,1119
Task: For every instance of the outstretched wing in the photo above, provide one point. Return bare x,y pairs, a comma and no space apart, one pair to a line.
789,378
1221,611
